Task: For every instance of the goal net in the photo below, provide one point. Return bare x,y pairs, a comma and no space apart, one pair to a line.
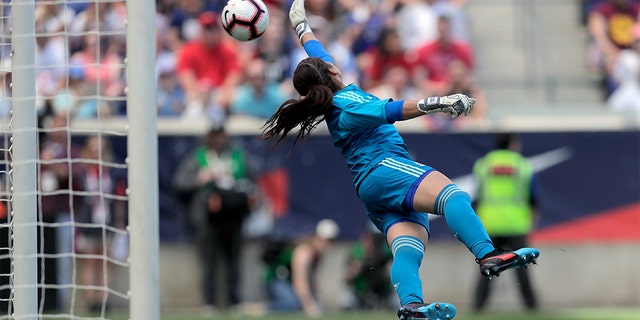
78,164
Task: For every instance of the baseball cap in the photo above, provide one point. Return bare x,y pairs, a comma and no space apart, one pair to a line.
327,229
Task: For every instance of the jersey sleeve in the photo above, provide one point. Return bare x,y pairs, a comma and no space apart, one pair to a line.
357,115
315,49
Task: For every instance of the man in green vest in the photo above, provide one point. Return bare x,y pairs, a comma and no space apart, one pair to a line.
506,204
217,179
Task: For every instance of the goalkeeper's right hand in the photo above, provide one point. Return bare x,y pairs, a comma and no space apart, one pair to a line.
298,18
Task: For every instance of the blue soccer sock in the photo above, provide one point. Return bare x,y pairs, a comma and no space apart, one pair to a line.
407,257
455,205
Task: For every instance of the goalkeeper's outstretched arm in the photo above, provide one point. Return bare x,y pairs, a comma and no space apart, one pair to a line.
298,19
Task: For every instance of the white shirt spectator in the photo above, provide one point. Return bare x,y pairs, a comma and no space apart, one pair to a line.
627,73
416,23
455,10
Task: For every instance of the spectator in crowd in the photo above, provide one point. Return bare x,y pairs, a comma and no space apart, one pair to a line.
76,98
459,80
626,73
435,57
367,271
373,18
165,50
388,54
98,211
208,86
320,8
456,11
56,16
167,36
396,84
51,47
506,204
170,97
98,17
257,97
291,271
416,23
102,71
59,184
585,8
218,176
610,24
183,18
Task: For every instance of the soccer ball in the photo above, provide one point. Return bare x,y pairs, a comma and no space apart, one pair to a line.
245,20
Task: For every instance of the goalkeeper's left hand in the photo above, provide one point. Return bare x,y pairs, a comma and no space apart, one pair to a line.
455,104
298,19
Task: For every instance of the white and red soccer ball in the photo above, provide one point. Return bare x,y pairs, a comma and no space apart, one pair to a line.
245,20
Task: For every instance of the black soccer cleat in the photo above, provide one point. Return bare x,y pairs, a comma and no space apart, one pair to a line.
421,311
499,260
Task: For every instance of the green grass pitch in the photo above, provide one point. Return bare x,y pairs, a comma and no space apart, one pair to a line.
577,314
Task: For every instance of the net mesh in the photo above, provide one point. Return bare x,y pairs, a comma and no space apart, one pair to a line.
81,167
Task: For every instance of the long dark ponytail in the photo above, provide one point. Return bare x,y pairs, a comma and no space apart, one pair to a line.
313,82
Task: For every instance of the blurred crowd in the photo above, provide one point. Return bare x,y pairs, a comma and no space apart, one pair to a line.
83,214
393,48
401,49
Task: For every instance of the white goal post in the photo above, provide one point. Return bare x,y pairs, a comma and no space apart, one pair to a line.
22,168
143,160
21,175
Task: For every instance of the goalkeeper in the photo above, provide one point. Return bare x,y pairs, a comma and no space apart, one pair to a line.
396,190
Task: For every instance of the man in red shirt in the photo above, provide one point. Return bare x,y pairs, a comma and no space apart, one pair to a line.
208,70
435,57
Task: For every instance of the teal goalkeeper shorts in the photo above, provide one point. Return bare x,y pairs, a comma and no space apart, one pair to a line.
385,188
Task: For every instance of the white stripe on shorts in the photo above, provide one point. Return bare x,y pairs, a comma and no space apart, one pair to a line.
403,167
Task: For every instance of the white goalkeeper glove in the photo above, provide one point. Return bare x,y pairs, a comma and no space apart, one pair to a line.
455,104
298,18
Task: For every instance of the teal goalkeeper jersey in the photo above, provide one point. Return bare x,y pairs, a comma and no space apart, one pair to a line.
359,127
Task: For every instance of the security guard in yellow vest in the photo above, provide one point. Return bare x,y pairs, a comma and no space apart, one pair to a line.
506,204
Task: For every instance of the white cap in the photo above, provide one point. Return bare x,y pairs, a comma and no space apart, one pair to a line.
327,229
